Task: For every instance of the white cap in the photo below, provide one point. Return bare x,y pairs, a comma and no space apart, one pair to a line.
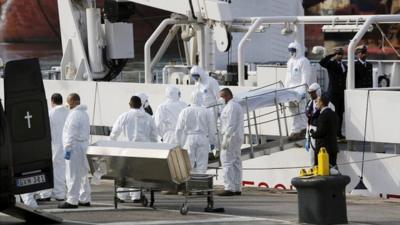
315,87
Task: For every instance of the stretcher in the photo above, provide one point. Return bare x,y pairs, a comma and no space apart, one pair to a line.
269,96
149,167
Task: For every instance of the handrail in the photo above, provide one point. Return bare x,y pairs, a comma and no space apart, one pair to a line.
269,85
282,89
272,120
278,118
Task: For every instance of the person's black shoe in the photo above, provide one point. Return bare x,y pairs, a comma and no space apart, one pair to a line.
66,205
137,201
87,204
60,199
120,200
226,193
44,199
238,193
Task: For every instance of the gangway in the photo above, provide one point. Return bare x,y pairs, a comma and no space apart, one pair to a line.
269,96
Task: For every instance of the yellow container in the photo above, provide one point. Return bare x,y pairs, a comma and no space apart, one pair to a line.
323,162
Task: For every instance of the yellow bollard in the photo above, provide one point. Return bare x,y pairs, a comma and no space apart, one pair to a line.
323,162
303,172
315,171
310,171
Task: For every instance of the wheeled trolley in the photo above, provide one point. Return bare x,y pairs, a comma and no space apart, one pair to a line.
198,186
150,167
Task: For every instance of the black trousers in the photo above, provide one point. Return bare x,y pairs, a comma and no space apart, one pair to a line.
332,158
338,101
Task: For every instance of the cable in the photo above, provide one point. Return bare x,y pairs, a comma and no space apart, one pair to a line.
150,17
47,19
300,167
365,136
192,10
94,107
388,41
179,47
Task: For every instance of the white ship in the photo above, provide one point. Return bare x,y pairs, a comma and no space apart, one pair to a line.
94,52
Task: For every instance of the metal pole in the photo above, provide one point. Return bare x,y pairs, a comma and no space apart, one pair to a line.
240,50
217,130
303,20
164,46
350,51
279,125
147,48
285,119
249,127
255,125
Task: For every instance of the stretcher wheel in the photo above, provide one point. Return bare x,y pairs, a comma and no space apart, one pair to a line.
184,209
145,202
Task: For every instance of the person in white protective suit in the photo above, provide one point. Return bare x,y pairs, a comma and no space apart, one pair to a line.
57,116
232,131
312,113
167,114
208,87
76,134
298,73
195,132
145,103
138,126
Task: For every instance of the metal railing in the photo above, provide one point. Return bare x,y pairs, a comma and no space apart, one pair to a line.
256,119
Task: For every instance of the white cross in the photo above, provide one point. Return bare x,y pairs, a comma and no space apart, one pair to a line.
28,118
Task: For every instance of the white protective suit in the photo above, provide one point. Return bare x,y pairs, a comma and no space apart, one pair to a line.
167,114
57,115
298,72
232,131
76,134
208,87
137,126
195,132
144,99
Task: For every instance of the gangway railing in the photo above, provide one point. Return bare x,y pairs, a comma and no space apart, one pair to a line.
279,106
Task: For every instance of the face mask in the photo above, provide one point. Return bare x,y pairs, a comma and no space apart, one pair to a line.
196,77
221,101
292,52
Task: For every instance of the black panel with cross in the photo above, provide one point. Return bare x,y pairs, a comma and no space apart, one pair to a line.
27,116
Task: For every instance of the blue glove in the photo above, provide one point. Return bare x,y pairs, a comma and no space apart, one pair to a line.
212,147
307,145
67,155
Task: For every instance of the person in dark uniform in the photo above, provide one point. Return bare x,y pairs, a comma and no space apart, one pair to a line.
337,71
325,135
312,113
362,69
